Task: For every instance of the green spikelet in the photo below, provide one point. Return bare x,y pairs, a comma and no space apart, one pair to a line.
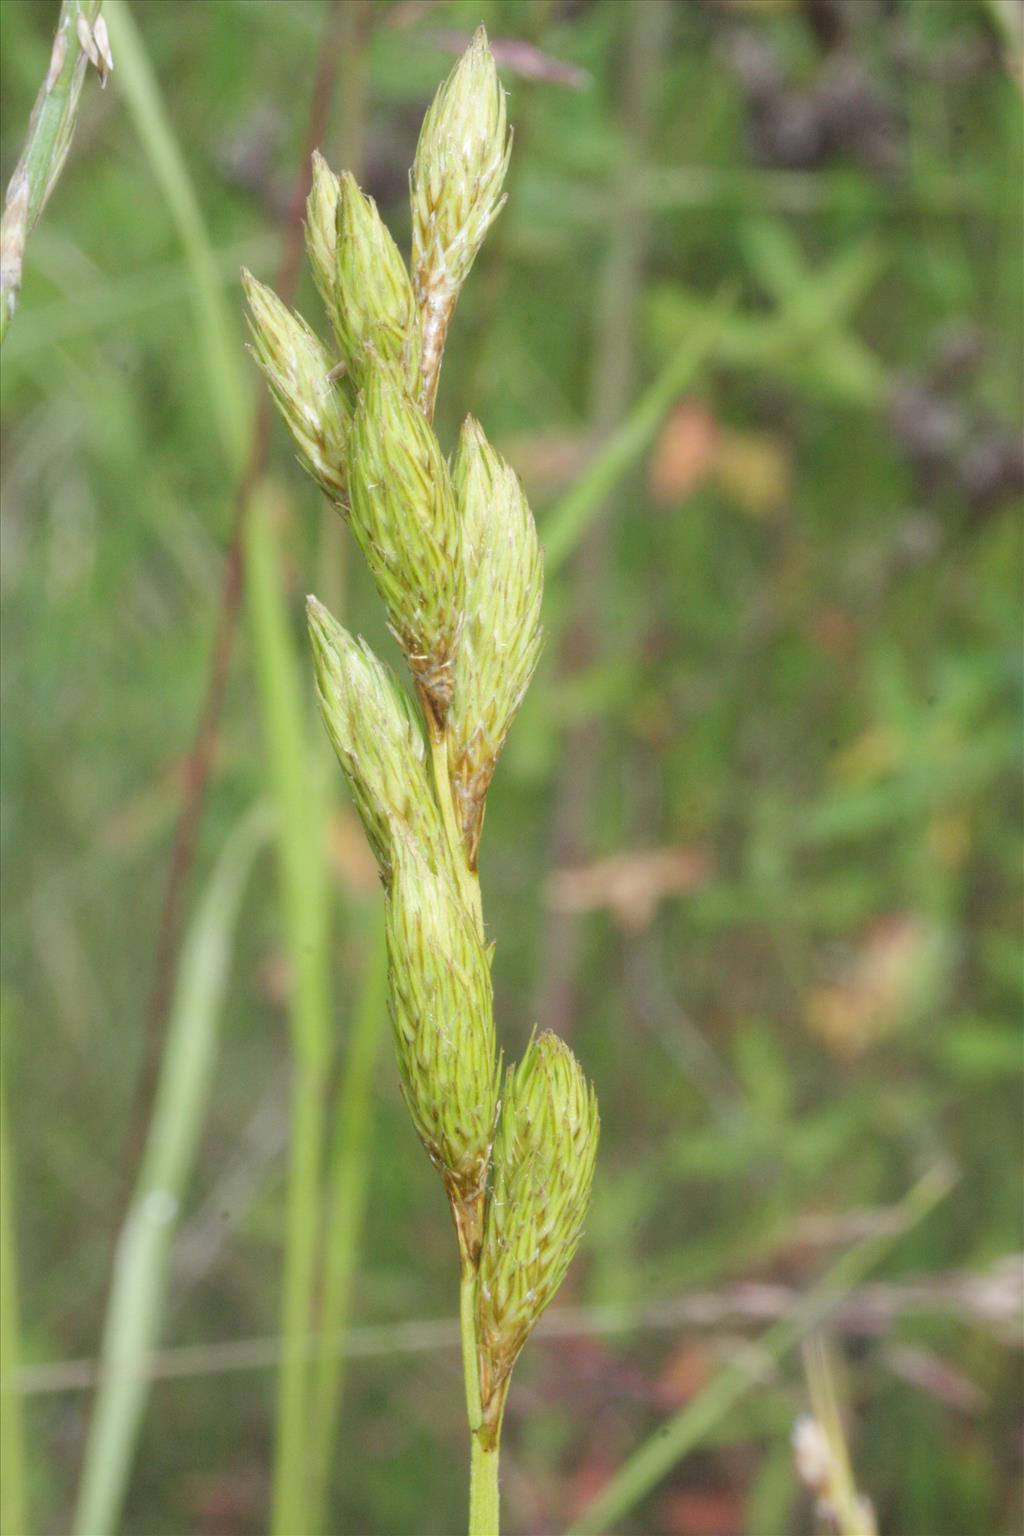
322,238
543,1167
378,740
404,516
457,176
501,637
297,367
376,308
441,1010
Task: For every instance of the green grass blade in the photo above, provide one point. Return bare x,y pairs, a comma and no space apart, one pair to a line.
300,847
135,1305
46,148
12,1443
305,903
658,1455
219,344
567,521
348,1187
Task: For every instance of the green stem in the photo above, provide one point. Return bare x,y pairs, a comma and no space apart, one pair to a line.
305,910
135,1307
483,1490
470,1356
349,1180
483,1474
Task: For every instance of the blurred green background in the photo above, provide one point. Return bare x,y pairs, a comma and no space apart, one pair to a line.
754,845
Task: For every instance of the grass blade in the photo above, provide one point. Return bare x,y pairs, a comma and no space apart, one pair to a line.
348,1187
46,148
305,904
568,519
135,1306
658,1455
219,345
300,846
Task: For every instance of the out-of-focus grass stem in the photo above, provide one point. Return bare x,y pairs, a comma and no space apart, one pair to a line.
300,844
348,1182
135,1307
305,907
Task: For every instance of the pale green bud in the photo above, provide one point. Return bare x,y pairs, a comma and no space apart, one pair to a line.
377,737
322,237
501,636
376,307
457,176
441,1010
297,367
543,1167
403,514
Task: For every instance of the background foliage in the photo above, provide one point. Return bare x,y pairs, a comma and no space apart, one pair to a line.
754,843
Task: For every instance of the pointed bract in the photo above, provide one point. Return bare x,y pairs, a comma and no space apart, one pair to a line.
297,367
457,176
376,309
442,1013
378,740
501,635
322,237
403,514
543,1167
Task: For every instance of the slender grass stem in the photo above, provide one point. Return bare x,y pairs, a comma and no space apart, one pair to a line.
484,1456
216,336
300,844
304,899
470,1357
566,522
348,1181
135,1307
483,1490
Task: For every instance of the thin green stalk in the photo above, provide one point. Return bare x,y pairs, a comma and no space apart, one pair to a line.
12,1444
483,1486
301,860
46,147
656,1458
135,1306
484,1456
483,1490
216,332
348,1189
565,523
304,896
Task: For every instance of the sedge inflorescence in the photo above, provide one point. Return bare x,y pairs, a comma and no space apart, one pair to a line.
453,551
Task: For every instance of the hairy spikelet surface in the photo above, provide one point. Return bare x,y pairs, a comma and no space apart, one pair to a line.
377,737
404,516
441,1010
543,1167
377,313
501,636
322,237
457,176
297,367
